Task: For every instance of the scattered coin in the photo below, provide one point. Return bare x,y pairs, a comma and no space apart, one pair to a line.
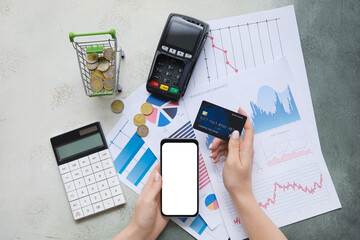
109,84
92,66
103,65
97,74
91,57
147,108
96,84
139,119
110,72
117,106
109,54
142,130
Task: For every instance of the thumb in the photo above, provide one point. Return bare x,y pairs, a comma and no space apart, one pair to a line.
234,146
156,185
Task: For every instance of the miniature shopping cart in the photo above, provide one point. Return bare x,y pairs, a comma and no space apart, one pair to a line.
97,45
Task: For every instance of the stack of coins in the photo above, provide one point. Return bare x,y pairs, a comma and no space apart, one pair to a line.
102,73
139,119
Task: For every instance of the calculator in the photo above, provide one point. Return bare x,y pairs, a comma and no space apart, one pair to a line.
87,171
179,47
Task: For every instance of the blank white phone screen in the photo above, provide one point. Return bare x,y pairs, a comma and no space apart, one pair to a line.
179,165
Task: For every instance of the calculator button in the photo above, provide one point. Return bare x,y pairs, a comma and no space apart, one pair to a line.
64,168
174,90
98,207
66,177
70,186
170,67
84,161
113,181
158,70
85,201
72,196
79,183
178,76
97,167
115,190
78,214
160,63
180,70
180,53
99,176
94,158
110,172
82,192
108,203
105,194
76,174
74,165
95,197
103,185
155,84
107,163
93,188
104,154
90,179
88,210
87,170
173,51
74,205
165,48
156,77
176,83
169,74
166,80
164,87
119,199
189,56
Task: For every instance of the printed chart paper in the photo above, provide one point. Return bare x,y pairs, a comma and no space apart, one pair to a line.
290,178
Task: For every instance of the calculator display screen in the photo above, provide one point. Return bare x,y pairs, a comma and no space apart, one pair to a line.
79,146
182,34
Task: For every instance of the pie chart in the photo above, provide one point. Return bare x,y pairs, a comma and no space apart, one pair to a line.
211,202
164,111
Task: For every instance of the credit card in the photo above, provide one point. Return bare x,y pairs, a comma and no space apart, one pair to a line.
217,121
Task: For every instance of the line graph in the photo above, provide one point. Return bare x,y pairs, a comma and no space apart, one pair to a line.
235,47
225,53
294,186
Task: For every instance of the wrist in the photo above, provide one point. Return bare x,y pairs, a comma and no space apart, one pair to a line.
132,231
244,200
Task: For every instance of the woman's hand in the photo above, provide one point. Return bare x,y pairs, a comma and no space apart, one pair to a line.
147,222
238,166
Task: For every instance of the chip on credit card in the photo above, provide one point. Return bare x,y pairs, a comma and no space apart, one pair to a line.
217,121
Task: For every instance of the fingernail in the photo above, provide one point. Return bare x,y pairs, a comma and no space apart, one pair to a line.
235,134
211,155
156,176
210,145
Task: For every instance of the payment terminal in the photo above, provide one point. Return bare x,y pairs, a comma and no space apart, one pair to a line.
179,47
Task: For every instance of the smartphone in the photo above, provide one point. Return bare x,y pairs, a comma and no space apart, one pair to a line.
179,164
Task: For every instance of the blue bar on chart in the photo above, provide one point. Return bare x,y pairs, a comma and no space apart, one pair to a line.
142,167
198,225
128,153
183,219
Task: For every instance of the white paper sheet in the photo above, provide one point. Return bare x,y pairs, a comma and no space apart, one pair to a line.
290,178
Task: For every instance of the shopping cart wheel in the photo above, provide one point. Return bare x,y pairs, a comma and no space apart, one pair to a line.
119,89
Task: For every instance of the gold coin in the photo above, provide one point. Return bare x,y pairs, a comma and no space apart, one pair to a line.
109,54
91,57
147,108
103,65
117,106
97,74
109,84
139,119
142,130
110,72
92,66
96,84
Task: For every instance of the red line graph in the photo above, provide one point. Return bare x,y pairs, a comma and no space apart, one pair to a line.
224,51
237,220
294,186
203,175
